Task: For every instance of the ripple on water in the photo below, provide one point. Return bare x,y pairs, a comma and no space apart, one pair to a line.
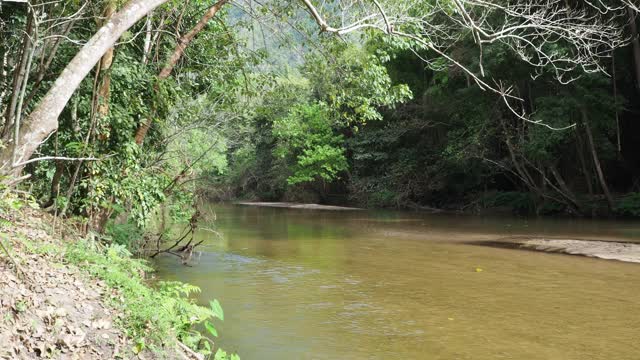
322,305
327,287
240,259
226,262
284,274
279,279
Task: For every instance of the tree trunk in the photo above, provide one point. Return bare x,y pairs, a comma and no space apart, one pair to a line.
102,214
18,78
184,41
55,184
3,73
44,119
583,162
104,91
635,41
146,50
596,160
615,101
520,168
566,192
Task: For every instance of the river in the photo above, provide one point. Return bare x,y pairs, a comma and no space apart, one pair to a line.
312,284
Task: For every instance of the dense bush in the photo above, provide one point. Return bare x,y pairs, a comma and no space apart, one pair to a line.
629,205
155,315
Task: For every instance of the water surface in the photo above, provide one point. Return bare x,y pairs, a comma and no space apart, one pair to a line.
308,284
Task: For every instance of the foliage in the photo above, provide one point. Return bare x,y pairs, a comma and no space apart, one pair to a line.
127,234
519,202
629,205
355,85
306,134
449,146
299,132
153,316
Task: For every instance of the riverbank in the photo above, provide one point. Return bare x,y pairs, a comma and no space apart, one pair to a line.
290,205
50,308
606,250
66,297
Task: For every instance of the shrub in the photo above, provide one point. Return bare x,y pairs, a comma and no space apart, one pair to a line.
629,205
127,234
153,317
519,202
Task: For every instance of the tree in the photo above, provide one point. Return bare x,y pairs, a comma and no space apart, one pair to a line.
532,29
306,135
166,71
635,41
44,119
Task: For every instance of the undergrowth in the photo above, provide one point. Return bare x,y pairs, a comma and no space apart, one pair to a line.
629,205
153,317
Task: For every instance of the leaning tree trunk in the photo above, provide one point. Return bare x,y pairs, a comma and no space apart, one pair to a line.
184,41
104,92
583,161
44,119
635,41
566,191
596,160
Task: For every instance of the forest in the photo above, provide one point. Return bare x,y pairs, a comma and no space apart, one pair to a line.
200,101
122,116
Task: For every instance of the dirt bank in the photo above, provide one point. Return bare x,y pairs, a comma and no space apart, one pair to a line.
297,206
48,308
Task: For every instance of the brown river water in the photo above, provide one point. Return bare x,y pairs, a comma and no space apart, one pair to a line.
312,284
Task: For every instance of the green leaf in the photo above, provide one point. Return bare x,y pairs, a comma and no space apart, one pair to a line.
211,329
140,345
217,309
220,355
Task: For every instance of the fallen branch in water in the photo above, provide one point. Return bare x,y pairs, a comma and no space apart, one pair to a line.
184,252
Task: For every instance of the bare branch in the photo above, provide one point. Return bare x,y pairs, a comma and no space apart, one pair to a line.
62,158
